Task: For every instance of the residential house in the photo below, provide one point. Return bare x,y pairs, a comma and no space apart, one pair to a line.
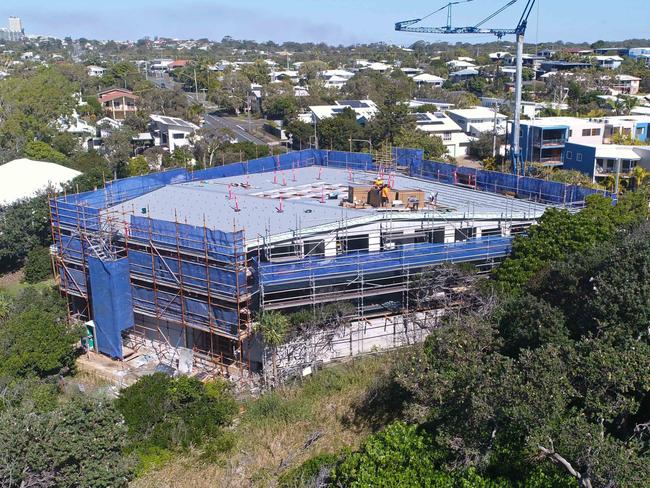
548,66
336,78
118,102
626,85
428,79
543,140
96,71
607,62
457,65
411,72
463,75
287,74
364,109
439,104
171,132
605,160
632,126
641,54
478,120
439,124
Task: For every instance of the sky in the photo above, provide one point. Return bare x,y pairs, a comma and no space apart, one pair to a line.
331,21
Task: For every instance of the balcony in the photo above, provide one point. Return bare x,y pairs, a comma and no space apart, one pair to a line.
556,142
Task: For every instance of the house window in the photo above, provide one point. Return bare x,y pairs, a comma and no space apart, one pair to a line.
595,132
586,132
569,155
178,135
446,136
579,157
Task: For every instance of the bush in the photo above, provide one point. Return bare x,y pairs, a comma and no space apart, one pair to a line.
174,413
36,343
80,443
306,474
38,266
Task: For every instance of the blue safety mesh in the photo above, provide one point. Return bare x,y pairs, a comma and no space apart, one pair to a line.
410,256
346,160
216,273
111,303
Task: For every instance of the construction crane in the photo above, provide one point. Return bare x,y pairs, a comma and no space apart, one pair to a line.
519,31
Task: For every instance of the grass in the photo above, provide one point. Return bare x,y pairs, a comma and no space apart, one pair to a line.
12,283
277,432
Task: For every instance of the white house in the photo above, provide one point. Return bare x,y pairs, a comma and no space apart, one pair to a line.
96,71
291,75
171,132
608,62
364,109
410,72
439,124
458,64
428,79
477,120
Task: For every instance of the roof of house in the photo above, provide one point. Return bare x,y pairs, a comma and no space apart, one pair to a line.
560,122
428,78
435,122
24,178
613,151
476,113
173,122
114,93
465,72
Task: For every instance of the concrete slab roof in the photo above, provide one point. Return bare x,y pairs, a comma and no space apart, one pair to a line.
305,204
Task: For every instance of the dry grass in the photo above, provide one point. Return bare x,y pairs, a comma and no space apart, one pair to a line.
272,432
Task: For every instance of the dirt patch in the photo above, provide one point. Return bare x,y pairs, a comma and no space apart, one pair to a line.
9,281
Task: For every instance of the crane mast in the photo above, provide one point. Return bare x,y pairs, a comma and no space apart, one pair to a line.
519,31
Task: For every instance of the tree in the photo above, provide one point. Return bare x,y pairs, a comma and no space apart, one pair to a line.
336,132
119,148
137,166
175,413
23,225
559,233
280,107
310,70
38,265
416,139
42,151
79,443
301,132
273,326
393,118
30,106
482,148
36,343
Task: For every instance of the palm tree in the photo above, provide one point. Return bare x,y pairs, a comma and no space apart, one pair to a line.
273,326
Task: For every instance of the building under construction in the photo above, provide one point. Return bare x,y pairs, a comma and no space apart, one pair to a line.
185,261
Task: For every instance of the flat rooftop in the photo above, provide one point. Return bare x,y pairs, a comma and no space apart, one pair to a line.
253,202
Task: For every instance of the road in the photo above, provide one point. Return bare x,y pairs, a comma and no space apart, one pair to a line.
234,125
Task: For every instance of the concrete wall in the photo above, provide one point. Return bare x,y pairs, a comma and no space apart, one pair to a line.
356,339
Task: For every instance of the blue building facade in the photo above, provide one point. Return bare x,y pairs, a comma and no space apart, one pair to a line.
580,157
542,144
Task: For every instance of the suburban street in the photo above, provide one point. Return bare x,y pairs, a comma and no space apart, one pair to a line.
237,126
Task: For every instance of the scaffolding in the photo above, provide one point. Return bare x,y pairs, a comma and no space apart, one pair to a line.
198,287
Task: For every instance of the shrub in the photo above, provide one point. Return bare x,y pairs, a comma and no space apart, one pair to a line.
38,343
305,474
38,266
80,443
175,413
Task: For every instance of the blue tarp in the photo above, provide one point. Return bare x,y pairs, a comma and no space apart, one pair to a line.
408,256
111,303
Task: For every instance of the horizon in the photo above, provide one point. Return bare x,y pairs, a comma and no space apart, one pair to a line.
364,22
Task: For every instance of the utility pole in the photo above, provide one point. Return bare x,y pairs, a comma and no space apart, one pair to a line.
494,132
196,87
516,150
